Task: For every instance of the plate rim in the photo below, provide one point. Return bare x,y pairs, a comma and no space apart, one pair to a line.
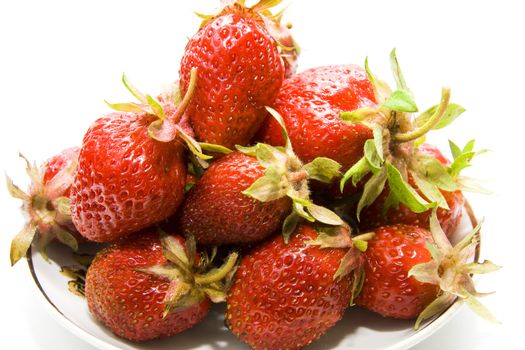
430,328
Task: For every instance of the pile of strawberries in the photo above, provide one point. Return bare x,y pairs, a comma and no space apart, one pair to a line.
291,197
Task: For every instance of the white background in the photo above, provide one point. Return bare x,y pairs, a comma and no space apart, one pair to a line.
60,59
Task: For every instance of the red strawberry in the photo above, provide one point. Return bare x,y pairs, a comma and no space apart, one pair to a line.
244,198
413,273
131,170
217,212
374,215
388,290
46,204
414,181
310,103
285,296
140,294
240,72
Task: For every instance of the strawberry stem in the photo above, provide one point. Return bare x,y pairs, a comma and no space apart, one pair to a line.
181,108
430,123
216,275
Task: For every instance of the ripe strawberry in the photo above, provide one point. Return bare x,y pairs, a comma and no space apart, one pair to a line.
131,170
217,212
139,293
310,103
245,196
285,296
240,72
375,215
388,290
46,204
413,273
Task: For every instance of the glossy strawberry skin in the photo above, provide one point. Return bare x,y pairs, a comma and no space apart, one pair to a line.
310,103
372,216
130,302
391,254
239,72
284,296
216,211
125,180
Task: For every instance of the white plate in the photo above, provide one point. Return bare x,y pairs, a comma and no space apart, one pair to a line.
359,329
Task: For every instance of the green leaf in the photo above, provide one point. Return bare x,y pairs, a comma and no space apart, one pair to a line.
479,308
63,205
265,189
15,191
404,192
332,237
356,173
281,122
358,115
452,112
482,268
269,156
289,225
401,101
249,151
65,237
192,144
175,251
373,188
324,215
431,170
455,150
396,70
439,236
264,5
133,90
439,305
20,244
372,157
323,169
381,89
469,184
426,272
211,147
430,191
469,146
127,107
378,140
156,107
299,209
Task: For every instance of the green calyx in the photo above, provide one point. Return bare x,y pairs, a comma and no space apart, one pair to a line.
48,211
192,280
166,127
330,237
286,176
452,268
391,156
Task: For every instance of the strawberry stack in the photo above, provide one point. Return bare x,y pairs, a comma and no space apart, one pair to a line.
290,196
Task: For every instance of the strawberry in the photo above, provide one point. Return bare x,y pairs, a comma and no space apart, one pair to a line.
245,196
285,296
216,211
46,204
375,216
388,290
413,273
141,293
240,72
131,171
310,104
414,181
